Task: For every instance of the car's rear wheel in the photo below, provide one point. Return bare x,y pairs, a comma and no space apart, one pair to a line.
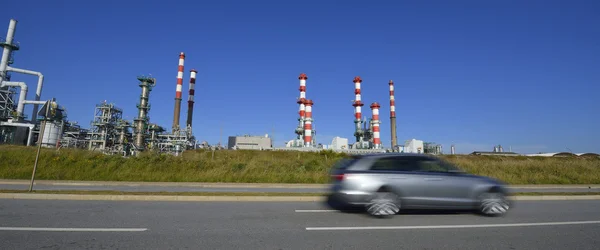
383,204
493,203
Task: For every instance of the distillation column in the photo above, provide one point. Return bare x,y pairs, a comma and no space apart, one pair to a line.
146,83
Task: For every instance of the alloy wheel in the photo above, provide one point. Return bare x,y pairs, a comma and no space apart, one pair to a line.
493,204
383,204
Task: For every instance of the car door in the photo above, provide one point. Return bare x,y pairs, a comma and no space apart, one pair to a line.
397,173
441,187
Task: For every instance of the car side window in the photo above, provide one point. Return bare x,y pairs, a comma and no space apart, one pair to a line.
431,166
393,164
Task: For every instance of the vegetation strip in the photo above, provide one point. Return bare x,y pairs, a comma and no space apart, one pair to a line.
253,166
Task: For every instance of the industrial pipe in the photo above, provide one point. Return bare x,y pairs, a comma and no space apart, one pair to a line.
38,91
10,34
22,95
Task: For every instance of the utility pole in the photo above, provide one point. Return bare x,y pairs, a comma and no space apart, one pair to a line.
41,137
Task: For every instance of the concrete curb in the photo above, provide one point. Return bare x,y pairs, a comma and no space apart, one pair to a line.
238,185
93,197
166,184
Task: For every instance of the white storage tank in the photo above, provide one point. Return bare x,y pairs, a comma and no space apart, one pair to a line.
52,134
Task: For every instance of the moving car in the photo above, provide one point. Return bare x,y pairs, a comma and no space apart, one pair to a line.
383,184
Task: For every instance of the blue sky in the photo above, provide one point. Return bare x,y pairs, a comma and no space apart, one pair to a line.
523,74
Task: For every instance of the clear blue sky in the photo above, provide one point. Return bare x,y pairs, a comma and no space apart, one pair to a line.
524,74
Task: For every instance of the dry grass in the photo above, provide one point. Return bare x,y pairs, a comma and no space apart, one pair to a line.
16,162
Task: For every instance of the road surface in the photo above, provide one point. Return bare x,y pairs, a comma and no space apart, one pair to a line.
48,224
230,187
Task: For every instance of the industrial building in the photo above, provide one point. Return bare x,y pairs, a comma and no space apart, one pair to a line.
250,142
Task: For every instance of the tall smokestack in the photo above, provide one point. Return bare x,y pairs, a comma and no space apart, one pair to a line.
375,122
308,123
393,115
301,101
177,110
190,110
357,109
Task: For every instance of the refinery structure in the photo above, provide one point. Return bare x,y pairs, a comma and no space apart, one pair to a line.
110,133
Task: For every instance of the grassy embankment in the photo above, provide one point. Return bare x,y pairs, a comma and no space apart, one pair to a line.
16,162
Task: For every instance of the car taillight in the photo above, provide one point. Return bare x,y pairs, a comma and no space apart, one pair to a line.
338,177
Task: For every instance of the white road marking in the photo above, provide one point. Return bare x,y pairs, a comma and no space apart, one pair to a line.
315,211
455,226
54,229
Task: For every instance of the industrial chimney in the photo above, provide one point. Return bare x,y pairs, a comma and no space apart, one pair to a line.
375,122
177,110
190,110
308,123
300,129
357,110
393,115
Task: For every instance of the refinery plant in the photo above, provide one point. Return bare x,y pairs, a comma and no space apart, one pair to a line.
109,132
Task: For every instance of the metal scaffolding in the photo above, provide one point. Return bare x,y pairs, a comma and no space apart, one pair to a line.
103,134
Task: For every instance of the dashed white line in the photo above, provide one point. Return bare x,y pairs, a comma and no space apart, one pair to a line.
55,229
315,211
454,226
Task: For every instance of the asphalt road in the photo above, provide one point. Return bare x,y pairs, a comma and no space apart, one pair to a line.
174,187
36,224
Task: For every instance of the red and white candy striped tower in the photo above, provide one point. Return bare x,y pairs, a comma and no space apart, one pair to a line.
375,121
301,100
190,111
308,123
177,110
357,109
393,115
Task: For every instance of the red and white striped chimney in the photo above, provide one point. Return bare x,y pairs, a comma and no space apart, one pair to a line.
190,111
301,100
357,108
393,115
177,110
308,123
375,121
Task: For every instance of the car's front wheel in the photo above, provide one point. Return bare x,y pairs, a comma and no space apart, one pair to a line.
493,204
383,204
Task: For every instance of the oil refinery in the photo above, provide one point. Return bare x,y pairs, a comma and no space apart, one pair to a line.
110,133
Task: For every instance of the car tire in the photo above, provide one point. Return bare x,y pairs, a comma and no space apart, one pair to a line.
493,204
383,204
